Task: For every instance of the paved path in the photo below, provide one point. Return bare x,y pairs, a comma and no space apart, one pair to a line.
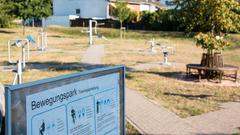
152,119
222,122
93,55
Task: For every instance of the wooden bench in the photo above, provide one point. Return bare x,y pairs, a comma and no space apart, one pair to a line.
219,72
229,68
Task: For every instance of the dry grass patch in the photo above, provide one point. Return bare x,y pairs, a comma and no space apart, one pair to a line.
133,52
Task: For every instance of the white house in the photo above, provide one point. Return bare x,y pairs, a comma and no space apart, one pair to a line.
66,10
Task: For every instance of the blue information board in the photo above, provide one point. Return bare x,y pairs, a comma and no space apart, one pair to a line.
85,103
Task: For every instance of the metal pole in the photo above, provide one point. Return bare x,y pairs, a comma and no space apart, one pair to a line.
28,50
42,41
9,52
95,28
165,58
18,76
19,72
38,40
45,41
23,56
90,33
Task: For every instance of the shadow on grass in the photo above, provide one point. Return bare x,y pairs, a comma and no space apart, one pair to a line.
57,66
57,36
168,34
177,76
6,32
193,134
188,96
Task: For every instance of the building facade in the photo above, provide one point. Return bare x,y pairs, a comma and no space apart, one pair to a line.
66,10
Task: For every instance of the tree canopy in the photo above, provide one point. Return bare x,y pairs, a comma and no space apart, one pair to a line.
4,14
209,15
28,9
122,12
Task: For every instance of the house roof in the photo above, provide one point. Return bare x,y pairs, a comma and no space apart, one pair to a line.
153,2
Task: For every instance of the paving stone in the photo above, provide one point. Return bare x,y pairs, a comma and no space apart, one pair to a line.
93,55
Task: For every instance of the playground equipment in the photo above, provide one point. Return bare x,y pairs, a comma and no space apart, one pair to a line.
122,32
42,40
18,75
21,43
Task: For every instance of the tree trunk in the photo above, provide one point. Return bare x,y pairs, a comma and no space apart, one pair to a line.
33,23
212,60
24,27
121,29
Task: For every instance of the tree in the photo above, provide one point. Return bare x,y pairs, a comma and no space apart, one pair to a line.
30,9
133,17
209,15
4,14
122,12
214,17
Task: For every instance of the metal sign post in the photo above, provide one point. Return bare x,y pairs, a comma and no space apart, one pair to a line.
87,103
18,76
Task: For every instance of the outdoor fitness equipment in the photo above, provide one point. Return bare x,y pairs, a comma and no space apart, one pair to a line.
153,44
21,43
18,75
91,33
42,40
166,50
91,30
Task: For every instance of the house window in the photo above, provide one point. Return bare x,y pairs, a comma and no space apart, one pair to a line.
78,11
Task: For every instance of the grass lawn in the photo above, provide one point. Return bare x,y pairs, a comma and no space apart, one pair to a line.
67,45
161,84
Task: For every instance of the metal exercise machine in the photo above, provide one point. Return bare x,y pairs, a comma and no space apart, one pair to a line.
153,45
91,33
166,50
42,40
91,22
21,43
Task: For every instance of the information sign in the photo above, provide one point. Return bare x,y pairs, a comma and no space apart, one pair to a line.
85,103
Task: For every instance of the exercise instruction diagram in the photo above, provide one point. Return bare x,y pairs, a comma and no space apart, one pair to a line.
88,107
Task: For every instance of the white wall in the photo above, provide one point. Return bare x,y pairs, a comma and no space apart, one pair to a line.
144,7
153,8
89,8
148,7
58,20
